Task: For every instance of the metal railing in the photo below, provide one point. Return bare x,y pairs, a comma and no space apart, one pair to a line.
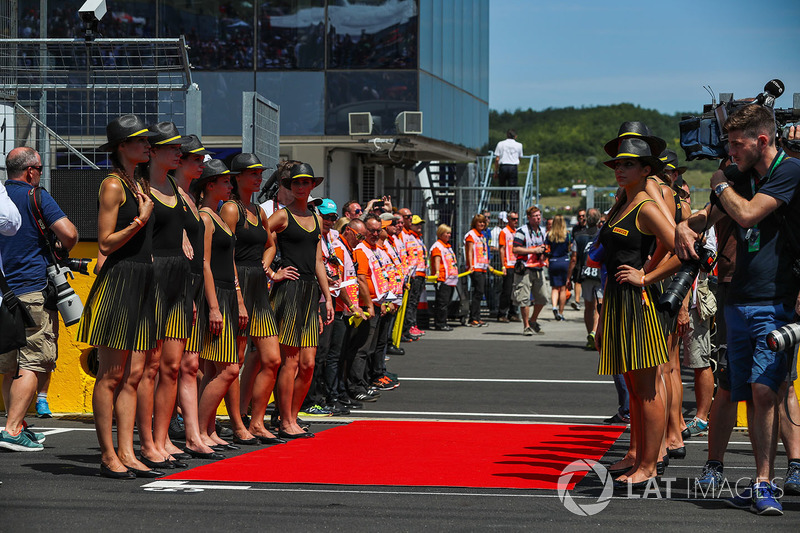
530,187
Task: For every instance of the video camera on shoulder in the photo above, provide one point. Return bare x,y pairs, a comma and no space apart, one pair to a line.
702,136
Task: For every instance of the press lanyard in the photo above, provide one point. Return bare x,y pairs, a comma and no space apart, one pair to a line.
753,234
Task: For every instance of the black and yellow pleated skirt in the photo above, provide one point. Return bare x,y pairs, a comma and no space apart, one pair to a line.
197,293
222,348
296,307
255,292
120,310
173,297
633,334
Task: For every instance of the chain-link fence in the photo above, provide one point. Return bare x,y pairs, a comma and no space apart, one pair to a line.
58,95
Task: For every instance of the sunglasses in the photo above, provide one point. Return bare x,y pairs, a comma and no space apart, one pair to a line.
359,237
358,211
331,217
39,167
513,218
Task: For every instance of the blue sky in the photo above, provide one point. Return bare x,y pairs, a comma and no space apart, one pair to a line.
654,54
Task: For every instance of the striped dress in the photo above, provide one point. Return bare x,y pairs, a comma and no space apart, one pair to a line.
222,348
633,334
120,309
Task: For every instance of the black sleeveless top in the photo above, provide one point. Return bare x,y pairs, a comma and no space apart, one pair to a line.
250,239
169,224
195,230
299,247
624,243
222,244
140,246
678,207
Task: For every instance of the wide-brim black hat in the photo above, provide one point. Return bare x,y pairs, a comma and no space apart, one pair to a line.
193,145
245,161
213,168
303,170
123,128
637,130
670,159
636,148
166,134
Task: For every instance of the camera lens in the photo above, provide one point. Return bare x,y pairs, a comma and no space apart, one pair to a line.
783,338
673,296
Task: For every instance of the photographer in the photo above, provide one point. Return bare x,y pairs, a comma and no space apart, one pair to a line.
25,260
758,194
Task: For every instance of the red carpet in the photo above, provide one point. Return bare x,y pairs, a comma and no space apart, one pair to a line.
448,454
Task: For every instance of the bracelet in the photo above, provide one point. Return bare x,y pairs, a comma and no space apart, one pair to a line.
239,289
352,306
270,276
138,221
236,283
643,279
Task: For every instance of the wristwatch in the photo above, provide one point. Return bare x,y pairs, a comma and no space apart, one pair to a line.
720,187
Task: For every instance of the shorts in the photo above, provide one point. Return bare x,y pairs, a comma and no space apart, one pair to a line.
592,290
697,342
531,281
749,358
41,352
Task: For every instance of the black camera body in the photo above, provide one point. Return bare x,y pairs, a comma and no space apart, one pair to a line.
671,299
702,136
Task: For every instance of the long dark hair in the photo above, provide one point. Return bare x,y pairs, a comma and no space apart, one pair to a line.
143,180
270,188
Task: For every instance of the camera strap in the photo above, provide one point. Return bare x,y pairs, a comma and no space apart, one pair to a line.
35,202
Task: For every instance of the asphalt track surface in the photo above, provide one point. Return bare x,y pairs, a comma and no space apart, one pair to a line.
490,374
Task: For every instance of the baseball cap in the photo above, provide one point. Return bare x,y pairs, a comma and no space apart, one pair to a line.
417,220
327,207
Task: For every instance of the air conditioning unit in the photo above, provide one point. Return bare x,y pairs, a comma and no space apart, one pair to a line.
360,123
409,123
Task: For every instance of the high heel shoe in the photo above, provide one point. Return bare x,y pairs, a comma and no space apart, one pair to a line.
203,455
154,465
147,473
677,453
107,472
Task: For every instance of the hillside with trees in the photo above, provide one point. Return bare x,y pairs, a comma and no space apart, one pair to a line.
570,141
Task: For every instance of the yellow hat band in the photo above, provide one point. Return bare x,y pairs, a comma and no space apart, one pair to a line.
628,155
138,132
630,133
254,166
670,165
168,140
197,150
303,176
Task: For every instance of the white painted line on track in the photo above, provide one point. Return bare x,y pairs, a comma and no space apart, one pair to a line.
176,486
487,380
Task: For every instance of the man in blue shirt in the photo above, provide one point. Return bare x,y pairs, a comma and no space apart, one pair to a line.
760,195
25,260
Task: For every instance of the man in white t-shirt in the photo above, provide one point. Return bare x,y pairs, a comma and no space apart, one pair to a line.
507,154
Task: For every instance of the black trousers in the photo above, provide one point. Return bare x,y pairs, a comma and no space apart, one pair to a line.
478,288
357,381
444,293
334,382
377,360
507,174
506,308
417,284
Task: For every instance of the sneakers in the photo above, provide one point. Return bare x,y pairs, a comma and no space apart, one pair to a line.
537,328
697,428
617,419
711,478
590,343
20,443
764,501
742,500
364,397
475,324
385,383
503,320
576,306
337,409
415,331
316,410
176,429
43,409
514,318
791,484
556,314
528,332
